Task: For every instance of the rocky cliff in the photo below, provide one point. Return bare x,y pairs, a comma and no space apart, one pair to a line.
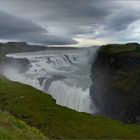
116,82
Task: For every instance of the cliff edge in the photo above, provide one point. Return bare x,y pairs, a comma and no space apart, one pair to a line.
116,82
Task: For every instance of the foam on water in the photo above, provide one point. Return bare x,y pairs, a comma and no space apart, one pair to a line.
13,75
72,97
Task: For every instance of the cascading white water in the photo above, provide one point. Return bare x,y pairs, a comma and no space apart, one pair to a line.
64,74
14,75
72,97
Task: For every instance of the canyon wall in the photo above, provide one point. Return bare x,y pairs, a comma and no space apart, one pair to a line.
116,82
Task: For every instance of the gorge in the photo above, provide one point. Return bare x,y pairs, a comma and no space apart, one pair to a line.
116,79
64,74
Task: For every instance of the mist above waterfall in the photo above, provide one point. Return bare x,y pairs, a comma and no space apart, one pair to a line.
64,74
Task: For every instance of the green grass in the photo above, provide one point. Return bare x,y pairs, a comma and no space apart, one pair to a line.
124,57
39,110
113,49
14,129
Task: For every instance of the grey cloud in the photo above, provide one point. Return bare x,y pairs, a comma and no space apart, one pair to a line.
74,16
10,25
67,19
122,20
15,28
76,12
46,39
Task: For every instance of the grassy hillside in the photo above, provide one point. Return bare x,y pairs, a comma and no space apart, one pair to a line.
113,49
39,110
14,129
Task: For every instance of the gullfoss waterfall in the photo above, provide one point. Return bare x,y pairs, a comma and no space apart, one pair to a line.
64,74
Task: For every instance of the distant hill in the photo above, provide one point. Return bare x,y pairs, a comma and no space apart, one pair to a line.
15,47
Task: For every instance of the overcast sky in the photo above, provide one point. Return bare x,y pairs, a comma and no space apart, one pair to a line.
70,22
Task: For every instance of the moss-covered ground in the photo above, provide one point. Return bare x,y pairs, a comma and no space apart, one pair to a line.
14,129
39,110
113,49
125,60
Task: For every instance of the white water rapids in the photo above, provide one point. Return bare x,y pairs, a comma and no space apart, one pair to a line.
64,74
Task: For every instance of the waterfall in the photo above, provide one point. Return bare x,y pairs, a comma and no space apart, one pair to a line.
72,97
13,75
64,74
